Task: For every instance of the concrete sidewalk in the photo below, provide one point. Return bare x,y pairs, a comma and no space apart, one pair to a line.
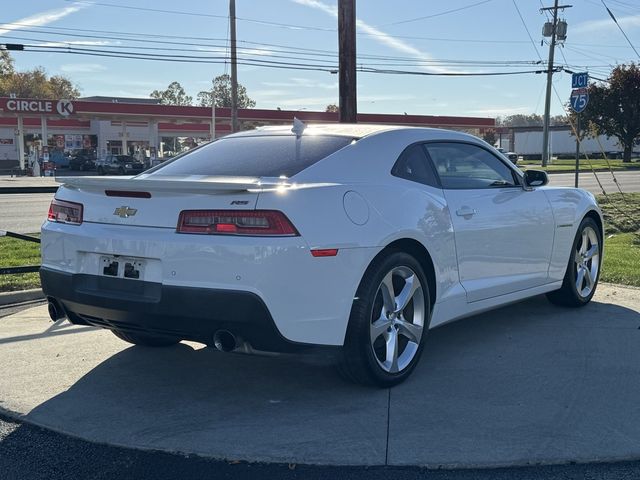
10,184
530,383
9,181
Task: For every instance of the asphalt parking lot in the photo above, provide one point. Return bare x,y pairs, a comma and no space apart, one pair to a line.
33,453
530,383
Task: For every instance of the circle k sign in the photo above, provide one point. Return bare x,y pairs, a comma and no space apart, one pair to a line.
64,107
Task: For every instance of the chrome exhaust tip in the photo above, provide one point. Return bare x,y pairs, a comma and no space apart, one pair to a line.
225,341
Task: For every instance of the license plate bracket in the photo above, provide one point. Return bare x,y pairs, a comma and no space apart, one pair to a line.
122,267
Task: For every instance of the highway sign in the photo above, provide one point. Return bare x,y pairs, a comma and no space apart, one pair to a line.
579,99
580,80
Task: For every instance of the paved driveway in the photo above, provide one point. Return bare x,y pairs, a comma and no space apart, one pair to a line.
528,383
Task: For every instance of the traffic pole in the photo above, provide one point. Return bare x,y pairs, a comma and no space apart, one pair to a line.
577,149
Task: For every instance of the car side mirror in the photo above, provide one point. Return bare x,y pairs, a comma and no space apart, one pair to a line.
535,178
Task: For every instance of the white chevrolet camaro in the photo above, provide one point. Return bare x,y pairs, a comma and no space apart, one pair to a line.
358,237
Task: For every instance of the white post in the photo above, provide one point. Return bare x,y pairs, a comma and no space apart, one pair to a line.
45,132
213,117
124,137
20,134
154,141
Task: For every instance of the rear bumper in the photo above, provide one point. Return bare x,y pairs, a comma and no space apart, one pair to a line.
308,298
184,312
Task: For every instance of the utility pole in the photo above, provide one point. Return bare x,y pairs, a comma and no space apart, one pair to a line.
552,47
347,61
234,67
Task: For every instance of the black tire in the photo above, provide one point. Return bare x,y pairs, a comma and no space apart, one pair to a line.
358,362
568,295
121,171
145,339
100,170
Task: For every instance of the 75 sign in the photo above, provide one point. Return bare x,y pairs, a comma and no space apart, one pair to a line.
579,99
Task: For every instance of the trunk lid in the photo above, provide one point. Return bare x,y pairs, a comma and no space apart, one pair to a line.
157,201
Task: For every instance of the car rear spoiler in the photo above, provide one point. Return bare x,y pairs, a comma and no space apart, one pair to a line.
184,184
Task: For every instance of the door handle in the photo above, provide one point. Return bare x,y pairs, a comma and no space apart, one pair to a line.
466,212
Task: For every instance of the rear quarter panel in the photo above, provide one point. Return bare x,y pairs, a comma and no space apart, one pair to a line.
570,206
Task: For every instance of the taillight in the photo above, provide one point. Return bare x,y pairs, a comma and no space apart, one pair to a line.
236,222
65,212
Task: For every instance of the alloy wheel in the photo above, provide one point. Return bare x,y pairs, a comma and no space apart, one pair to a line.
398,319
587,262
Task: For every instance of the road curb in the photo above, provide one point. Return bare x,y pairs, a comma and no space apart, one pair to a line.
457,466
8,298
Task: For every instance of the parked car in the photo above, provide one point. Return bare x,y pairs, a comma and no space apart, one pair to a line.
59,158
359,238
83,160
119,165
512,156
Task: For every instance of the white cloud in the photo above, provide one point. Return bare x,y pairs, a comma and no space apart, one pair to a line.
385,98
270,93
381,37
499,112
629,22
82,68
299,82
42,18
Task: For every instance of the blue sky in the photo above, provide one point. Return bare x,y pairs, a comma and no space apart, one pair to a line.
488,30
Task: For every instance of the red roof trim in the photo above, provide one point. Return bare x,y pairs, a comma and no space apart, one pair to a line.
84,108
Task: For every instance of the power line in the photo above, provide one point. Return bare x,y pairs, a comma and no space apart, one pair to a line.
198,14
621,30
292,55
446,12
527,29
253,62
59,30
154,10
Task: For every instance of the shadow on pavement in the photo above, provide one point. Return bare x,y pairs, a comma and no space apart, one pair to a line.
529,382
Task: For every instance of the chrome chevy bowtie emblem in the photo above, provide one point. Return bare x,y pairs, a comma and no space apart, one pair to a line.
125,212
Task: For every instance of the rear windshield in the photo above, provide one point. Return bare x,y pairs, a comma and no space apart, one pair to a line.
260,156
124,158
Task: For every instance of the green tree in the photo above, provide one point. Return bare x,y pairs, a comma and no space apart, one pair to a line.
221,91
520,120
333,108
614,108
559,120
33,83
6,63
174,94
489,136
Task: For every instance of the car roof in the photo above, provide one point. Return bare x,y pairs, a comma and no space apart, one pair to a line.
353,130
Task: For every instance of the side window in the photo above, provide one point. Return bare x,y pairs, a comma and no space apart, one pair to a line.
413,165
465,166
